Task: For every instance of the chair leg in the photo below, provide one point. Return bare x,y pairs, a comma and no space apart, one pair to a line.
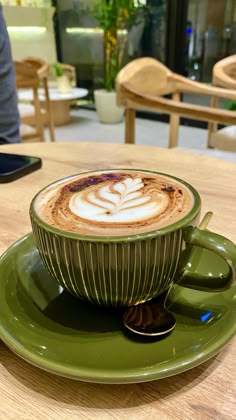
130,126
48,107
38,117
51,129
212,127
174,124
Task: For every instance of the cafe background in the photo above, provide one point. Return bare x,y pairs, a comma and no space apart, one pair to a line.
189,36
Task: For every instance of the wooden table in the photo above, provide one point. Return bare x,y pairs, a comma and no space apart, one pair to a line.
60,101
205,392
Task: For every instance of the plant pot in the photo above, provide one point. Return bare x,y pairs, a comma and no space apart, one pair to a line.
108,111
63,84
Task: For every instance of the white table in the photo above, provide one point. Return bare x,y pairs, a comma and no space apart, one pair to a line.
60,102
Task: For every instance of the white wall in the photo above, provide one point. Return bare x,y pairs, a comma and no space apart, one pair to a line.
26,41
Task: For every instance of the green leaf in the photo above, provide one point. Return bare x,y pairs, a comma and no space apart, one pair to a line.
58,69
231,105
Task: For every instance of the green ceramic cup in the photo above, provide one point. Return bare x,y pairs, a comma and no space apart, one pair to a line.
128,270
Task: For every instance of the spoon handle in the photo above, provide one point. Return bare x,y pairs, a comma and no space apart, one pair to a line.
205,221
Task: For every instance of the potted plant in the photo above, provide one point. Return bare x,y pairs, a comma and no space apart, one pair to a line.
63,82
116,18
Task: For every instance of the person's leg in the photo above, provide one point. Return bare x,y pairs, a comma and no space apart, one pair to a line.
9,115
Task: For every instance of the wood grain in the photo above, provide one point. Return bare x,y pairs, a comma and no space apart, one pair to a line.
206,392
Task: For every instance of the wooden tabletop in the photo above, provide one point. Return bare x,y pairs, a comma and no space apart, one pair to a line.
205,392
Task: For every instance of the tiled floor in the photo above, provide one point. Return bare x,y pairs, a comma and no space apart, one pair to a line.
84,126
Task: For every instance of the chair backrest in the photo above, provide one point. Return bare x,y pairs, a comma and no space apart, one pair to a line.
224,72
41,66
26,76
224,75
146,75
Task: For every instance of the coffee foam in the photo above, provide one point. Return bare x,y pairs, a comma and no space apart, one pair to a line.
114,203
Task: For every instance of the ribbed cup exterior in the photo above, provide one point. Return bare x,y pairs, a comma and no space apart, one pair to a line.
111,273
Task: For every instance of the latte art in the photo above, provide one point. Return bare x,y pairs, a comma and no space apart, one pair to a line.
114,203
121,202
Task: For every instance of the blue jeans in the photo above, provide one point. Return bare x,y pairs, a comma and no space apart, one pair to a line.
9,115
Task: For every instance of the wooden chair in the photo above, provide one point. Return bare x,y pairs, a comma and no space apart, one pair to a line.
27,78
26,111
143,84
223,75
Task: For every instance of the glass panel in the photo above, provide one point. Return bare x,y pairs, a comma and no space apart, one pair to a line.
211,35
153,41
81,40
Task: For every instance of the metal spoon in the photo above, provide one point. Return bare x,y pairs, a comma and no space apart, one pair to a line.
152,318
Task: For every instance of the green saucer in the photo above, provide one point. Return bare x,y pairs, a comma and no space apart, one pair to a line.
51,329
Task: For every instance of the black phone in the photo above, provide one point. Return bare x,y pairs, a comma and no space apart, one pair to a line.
15,166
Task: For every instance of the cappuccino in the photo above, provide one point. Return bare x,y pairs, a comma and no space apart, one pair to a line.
114,203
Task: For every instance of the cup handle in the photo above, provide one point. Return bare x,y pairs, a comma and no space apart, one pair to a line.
220,245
